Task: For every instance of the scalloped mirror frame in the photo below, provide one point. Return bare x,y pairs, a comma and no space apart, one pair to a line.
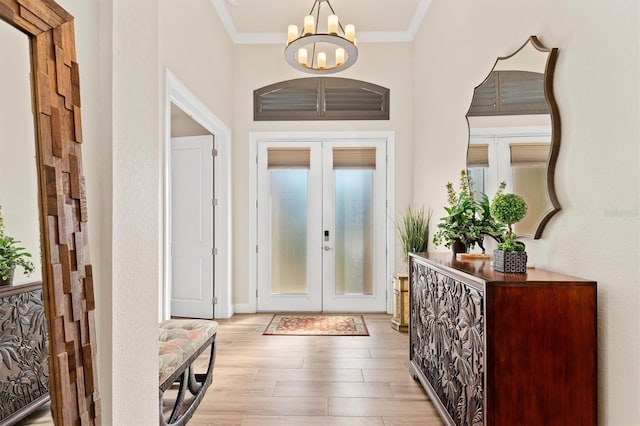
67,274
552,56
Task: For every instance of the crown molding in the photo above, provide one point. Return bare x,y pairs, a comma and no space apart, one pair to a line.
281,38
421,11
223,13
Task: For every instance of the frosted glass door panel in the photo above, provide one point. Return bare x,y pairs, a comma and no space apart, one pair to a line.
289,224
354,232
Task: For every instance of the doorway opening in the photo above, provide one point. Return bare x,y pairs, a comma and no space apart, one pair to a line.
204,290
323,230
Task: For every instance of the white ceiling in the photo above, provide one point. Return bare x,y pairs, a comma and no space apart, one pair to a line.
266,21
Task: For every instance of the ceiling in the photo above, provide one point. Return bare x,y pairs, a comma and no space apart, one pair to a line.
266,21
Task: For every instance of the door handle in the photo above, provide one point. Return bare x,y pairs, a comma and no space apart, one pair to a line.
327,248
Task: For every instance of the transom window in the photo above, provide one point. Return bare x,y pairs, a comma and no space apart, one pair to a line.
321,98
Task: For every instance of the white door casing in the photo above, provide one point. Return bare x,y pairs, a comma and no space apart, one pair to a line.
192,220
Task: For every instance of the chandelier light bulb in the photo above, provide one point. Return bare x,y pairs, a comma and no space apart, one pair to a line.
309,25
292,33
302,57
322,60
332,24
350,32
339,56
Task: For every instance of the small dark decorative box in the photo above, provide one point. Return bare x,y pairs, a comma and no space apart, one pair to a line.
510,261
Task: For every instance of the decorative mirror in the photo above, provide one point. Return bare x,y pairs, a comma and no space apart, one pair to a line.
514,133
18,176
67,279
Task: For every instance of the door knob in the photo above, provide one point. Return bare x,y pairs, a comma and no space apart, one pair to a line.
327,248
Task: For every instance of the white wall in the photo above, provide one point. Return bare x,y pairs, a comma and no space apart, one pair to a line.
195,47
596,234
123,48
117,51
136,249
255,66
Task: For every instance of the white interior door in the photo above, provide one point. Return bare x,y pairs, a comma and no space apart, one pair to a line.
192,219
322,226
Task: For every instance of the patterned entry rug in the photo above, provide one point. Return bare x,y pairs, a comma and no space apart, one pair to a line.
316,325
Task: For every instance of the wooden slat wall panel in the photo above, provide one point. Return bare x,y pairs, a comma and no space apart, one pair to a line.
10,12
68,277
39,23
44,12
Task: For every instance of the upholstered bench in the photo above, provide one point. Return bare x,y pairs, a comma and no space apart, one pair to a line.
181,342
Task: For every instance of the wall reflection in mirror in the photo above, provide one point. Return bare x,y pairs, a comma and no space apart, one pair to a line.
514,133
18,169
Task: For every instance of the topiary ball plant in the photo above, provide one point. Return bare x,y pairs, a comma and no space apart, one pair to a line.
509,209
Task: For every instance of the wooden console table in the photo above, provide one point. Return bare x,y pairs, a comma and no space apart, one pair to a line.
503,349
24,359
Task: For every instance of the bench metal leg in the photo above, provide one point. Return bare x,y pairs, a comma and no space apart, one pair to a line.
197,385
177,407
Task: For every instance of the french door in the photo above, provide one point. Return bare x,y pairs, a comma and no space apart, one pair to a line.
322,226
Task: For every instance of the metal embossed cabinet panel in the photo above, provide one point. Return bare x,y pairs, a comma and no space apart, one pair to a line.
24,367
447,347
503,349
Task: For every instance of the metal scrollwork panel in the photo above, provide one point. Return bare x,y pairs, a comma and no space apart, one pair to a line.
447,342
24,367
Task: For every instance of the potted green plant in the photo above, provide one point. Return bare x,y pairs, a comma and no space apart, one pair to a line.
468,218
413,231
510,256
11,255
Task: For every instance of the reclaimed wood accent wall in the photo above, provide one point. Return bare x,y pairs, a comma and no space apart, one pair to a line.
67,274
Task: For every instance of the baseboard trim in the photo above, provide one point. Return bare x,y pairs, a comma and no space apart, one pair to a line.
243,308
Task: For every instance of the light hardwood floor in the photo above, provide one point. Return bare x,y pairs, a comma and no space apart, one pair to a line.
311,381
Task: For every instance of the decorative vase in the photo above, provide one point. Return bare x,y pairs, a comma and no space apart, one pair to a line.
512,262
9,279
458,247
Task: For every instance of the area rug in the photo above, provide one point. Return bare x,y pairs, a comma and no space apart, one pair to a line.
316,325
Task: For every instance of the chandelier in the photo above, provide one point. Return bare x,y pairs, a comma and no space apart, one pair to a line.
318,52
